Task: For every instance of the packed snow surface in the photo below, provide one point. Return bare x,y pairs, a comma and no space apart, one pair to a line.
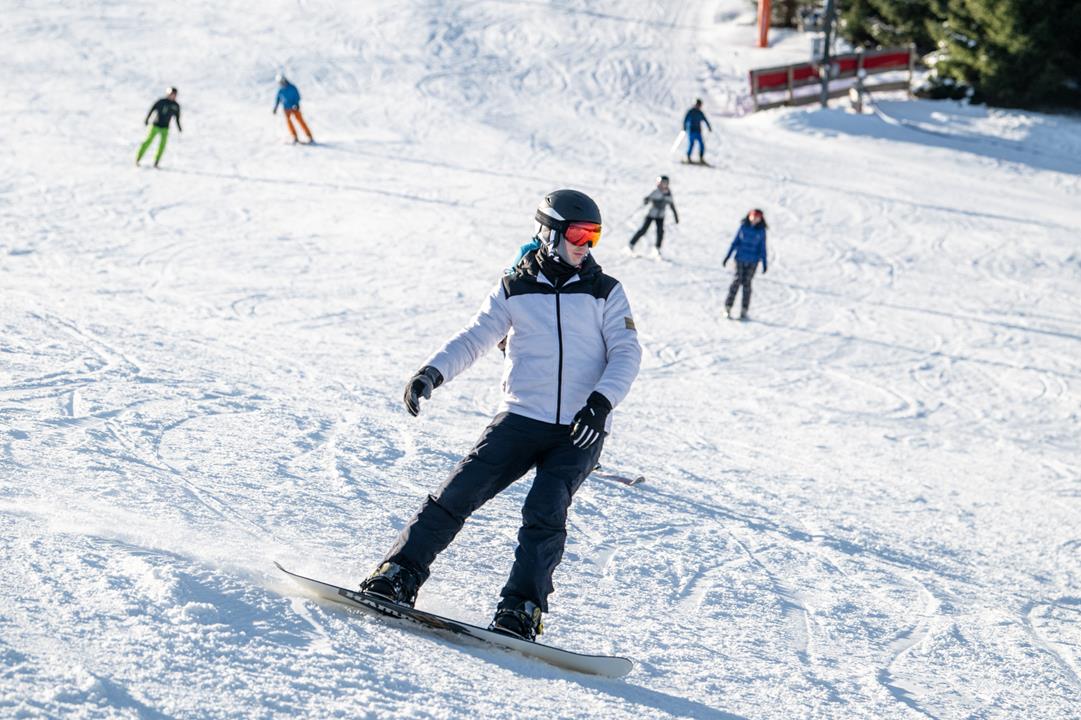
863,503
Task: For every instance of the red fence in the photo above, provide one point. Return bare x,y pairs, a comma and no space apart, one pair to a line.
786,78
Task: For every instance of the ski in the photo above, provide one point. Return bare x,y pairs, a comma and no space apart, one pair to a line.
603,665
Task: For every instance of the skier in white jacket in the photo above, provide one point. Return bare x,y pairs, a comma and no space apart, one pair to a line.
572,354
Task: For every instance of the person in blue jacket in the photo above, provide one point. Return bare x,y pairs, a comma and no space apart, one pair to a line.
749,247
289,99
692,124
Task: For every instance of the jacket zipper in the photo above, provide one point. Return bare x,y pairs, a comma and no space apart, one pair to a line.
559,333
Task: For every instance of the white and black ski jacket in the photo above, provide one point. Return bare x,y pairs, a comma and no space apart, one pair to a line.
562,343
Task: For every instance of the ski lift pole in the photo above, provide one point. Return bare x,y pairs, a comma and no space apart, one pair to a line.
824,70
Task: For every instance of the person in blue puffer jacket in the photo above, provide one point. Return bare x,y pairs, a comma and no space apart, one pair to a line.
749,247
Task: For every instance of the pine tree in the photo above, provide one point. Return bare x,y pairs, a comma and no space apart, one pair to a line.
783,13
855,22
889,23
1019,53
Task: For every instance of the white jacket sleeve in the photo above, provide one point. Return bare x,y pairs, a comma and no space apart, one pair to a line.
624,352
488,327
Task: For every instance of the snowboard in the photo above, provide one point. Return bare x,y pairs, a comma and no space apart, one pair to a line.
604,665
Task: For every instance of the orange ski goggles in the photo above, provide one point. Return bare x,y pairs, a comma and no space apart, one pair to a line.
583,233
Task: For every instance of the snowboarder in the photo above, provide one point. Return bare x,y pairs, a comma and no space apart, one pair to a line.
571,357
289,99
692,124
164,110
658,202
749,246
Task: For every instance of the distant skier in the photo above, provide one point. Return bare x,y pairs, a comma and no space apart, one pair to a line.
289,99
749,246
692,124
164,110
571,356
658,200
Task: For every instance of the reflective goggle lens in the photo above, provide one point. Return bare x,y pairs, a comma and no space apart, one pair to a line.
583,233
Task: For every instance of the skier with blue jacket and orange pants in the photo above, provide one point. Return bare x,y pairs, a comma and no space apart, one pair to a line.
289,99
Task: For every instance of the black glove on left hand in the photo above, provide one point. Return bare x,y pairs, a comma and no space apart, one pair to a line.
588,425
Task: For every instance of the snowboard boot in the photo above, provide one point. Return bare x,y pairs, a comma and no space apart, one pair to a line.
393,582
728,311
744,315
518,618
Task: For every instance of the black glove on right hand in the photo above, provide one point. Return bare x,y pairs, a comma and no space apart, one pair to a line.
421,385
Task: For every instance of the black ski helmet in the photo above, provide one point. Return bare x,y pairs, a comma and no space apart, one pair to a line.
561,207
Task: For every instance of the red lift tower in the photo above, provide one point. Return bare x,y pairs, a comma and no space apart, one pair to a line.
764,16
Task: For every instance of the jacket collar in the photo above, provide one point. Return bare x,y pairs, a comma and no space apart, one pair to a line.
530,267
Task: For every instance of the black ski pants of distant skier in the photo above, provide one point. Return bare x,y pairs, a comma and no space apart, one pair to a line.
508,448
645,226
744,275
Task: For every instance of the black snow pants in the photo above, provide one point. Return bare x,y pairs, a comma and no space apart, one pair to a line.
645,226
744,275
508,448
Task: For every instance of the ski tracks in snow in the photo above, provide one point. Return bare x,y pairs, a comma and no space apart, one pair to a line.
202,365
1055,627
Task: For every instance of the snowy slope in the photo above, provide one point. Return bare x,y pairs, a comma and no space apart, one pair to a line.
864,503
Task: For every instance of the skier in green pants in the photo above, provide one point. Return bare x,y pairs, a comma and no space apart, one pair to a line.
164,110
